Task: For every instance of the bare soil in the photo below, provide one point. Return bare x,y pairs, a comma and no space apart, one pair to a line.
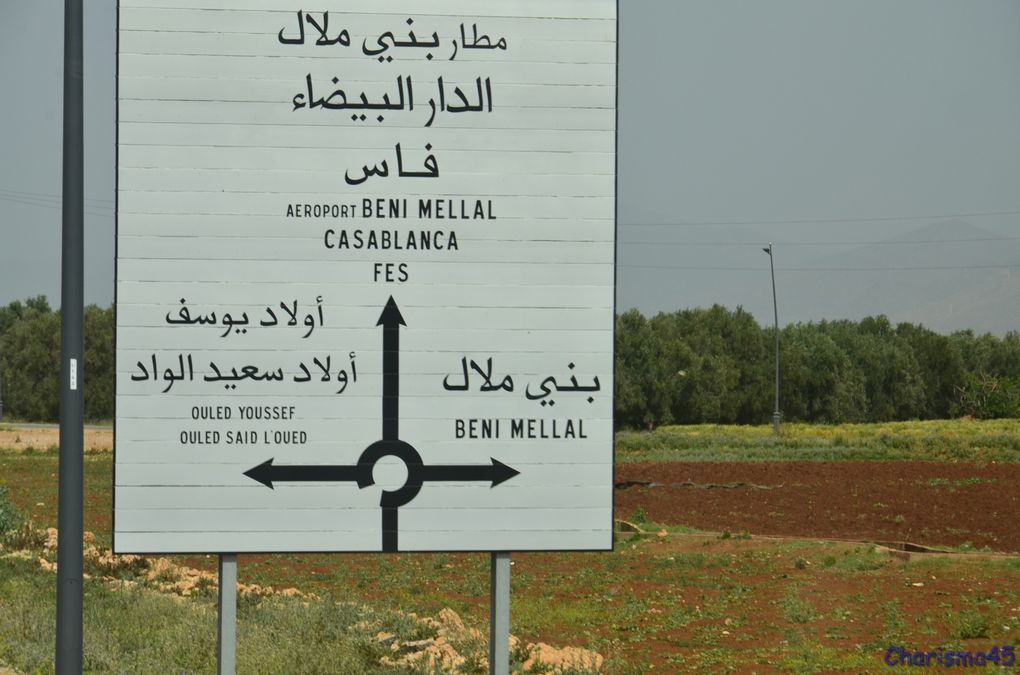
920,502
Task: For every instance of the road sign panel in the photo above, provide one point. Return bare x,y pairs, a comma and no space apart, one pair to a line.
365,275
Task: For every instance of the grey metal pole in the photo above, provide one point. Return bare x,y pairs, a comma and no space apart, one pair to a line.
776,415
226,644
70,517
499,615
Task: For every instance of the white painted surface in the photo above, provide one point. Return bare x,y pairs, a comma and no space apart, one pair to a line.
213,153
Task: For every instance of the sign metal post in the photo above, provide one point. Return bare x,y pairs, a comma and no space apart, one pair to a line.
499,615
70,517
226,645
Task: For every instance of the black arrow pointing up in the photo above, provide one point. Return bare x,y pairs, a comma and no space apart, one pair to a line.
267,473
391,320
497,472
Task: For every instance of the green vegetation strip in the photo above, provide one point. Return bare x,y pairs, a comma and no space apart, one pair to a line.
137,630
718,606
936,441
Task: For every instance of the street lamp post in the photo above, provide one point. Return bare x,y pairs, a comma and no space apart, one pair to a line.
776,415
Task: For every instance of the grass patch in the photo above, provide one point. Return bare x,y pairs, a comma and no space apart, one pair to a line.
692,606
858,559
137,630
10,519
968,625
811,657
795,609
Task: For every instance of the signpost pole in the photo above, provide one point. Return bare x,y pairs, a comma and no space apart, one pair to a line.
499,616
70,517
226,645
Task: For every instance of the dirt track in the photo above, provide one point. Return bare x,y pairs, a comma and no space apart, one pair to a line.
23,437
924,503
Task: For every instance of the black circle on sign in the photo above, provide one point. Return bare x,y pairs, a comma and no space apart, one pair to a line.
406,453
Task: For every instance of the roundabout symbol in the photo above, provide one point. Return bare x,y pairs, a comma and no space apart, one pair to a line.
418,473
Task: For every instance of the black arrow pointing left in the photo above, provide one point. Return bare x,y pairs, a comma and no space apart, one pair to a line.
267,473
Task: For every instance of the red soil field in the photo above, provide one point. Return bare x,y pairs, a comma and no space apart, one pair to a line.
919,502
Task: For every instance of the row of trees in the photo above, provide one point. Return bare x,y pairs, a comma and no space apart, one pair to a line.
718,365
30,361
690,366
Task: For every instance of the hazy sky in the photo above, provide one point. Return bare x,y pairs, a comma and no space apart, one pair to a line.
825,126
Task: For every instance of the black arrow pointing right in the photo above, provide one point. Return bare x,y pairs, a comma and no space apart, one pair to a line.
497,472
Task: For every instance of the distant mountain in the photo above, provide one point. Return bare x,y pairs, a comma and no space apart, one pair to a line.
947,276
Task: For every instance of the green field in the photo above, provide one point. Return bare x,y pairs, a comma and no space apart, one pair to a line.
936,441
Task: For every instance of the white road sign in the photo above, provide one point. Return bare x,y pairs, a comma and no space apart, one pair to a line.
365,275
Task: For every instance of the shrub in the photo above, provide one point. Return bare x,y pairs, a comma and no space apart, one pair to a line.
10,519
970,625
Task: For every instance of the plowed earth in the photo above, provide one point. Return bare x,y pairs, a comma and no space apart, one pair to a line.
919,502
